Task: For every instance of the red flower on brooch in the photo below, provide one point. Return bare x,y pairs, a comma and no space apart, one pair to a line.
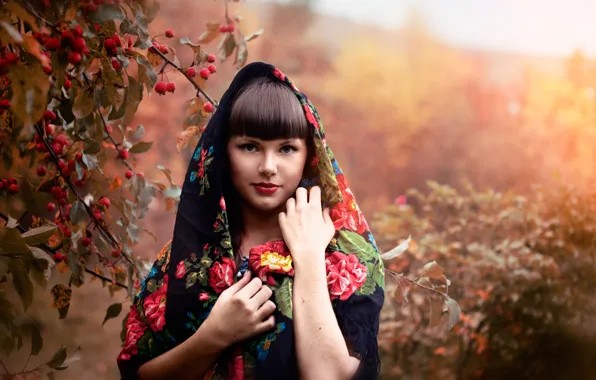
272,257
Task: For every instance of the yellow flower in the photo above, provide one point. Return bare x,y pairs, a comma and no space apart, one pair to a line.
275,261
267,344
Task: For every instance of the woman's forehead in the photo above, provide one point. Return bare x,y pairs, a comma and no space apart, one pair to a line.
256,140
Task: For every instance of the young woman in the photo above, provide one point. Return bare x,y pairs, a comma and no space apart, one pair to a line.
272,272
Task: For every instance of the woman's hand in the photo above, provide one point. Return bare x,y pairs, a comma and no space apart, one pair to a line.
241,311
306,228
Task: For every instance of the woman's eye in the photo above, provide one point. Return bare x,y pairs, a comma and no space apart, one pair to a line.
287,149
248,147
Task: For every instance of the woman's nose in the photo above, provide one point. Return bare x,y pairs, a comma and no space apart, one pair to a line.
268,164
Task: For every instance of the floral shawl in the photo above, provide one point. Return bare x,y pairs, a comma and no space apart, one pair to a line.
198,264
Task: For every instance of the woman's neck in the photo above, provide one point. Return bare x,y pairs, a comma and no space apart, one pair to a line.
259,227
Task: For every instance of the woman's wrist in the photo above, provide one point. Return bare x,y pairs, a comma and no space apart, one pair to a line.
212,340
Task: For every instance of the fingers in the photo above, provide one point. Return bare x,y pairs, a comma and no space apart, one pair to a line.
327,215
290,206
314,198
301,198
265,314
262,296
239,284
250,289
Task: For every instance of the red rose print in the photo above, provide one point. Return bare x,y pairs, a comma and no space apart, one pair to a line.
279,74
222,203
134,331
310,117
345,275
203,296
221,275
180,269
155,307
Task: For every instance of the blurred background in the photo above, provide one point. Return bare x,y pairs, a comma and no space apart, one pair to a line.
491,101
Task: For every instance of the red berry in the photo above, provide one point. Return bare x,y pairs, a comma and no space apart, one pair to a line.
117,40
77,31
191,72
40,147
212,69
67,38
223,29
115,253
86,241
67,84
123,154
58,257
91,7
210,58
11,58
79,44
109,44
79,156
171,87
204,73
57,148
80,182
140,174
98,214
155,47
5,103
169,33
74,57
230,28
49,115
61,201
41,171
47,69
61,165
2,185
13,189
12,181
105,202
116,64
109,129
164,49
128,174
63,140
208,107
71,165
65,231
49,129
52,43
47,3
161,87
51,207
66,171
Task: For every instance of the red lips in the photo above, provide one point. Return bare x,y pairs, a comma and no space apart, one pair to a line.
266,188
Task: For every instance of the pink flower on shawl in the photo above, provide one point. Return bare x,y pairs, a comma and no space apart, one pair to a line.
180,269
347,214
135,328
277,72
345,275
272,257
221,275
155,307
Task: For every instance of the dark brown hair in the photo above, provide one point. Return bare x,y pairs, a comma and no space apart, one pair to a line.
268,110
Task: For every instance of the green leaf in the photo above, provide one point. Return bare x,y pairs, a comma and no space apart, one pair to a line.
141,147
142,24
90,161
147,75
454,313
77,212
12,32
58,358
254,35
112,312
12,243
167,172
106,13
84,104
39,235
139,133
351,242
283,297
134,96
42,270
241,54
211,32
36,340
191,279
368,287
226,46
21,282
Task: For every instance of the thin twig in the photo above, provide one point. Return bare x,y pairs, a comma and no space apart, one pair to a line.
27,362
199,89
105,126
51,250
5,369
395,274
102,229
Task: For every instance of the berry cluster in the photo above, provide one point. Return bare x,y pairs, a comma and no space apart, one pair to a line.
9,185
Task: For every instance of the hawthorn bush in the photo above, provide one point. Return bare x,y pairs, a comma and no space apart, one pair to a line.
524,276
72,75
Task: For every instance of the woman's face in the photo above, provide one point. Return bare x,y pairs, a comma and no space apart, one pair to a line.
266,173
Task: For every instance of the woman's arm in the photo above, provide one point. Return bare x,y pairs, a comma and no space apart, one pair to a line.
189,360
320,346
